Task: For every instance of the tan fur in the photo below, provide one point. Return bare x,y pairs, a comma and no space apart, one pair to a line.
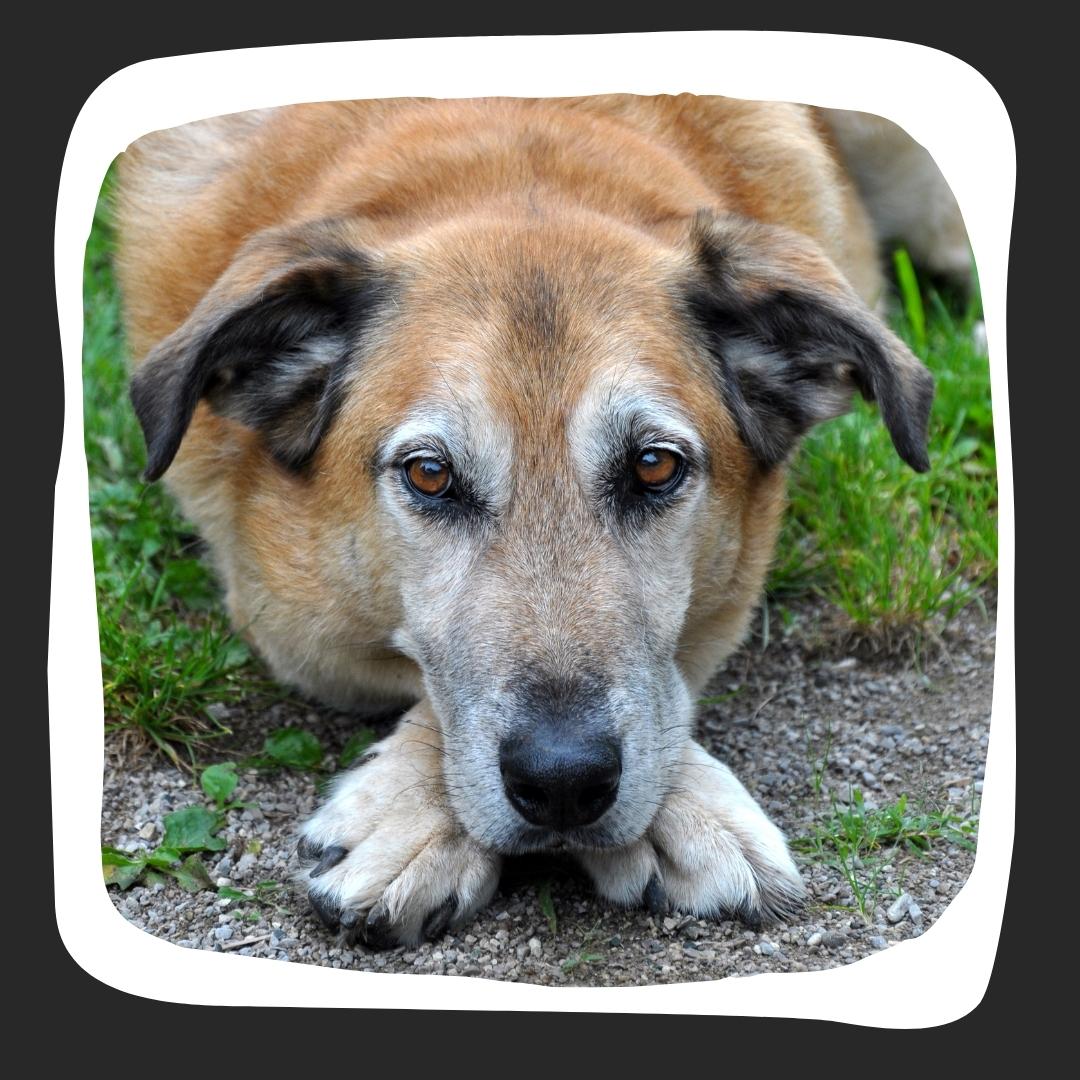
599,201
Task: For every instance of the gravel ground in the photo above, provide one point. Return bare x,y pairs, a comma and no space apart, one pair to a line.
883,726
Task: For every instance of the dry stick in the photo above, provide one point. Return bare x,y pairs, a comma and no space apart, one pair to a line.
246,941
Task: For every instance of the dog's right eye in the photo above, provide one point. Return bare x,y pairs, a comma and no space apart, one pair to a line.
429,477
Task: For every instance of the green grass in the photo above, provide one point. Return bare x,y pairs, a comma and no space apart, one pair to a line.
167,653
896,552
859,842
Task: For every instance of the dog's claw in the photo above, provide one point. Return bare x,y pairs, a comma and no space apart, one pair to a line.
436,923
655,898
329,914
377,931
330,857
308,849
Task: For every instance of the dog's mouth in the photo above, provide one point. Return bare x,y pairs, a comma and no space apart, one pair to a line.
535,839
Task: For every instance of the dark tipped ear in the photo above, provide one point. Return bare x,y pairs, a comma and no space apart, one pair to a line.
269,346
792,341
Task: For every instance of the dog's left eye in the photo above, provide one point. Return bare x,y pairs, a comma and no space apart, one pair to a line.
658,470
429,477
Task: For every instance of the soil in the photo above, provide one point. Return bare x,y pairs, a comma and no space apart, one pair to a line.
805,720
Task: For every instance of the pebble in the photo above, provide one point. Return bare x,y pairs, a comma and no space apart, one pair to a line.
878,942
223,933
834,939
915,913
898,908
766,948
244,867
814,939
978,337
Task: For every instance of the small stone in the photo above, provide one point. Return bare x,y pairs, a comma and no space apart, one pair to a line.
915,913
814,939
934,884
978,337
244,866
878,942
148,830
535,947
223,933
898,908
834,939
766,948
978,790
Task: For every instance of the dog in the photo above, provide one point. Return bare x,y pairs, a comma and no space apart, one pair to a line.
483,409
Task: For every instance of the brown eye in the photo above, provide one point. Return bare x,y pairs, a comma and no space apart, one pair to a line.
429,476
658,469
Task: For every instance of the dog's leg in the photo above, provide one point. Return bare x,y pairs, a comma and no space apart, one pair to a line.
383,859
710,851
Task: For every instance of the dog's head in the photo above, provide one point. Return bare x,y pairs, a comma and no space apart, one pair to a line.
546,452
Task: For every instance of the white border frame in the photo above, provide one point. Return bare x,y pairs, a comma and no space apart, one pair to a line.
948,107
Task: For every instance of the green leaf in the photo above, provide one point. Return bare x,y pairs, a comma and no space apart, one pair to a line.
547,906
355,747
120,869
192,829
192,875
111,856
293,748
163,857
232,894
219,782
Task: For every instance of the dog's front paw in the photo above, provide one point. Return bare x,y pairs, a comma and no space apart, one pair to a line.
383,860
710,851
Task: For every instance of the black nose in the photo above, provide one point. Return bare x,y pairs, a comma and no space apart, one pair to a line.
560,782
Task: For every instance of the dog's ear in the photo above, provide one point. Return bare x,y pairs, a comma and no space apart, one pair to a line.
792,341
269,346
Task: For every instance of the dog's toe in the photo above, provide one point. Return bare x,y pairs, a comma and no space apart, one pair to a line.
438,921
328,912
655,897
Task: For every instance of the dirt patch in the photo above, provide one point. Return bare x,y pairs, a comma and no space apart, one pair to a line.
800,727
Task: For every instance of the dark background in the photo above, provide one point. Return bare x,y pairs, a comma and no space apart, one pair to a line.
56,65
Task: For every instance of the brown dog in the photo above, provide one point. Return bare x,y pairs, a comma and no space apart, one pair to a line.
484,407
